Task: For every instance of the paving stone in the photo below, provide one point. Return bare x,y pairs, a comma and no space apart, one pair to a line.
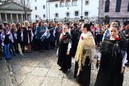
4,75
69,82
39,72
55,73
6,81
2,82
32,81
41,69
126,77
49,81
33,63
24,70
41,65
20,79
16,67
4,69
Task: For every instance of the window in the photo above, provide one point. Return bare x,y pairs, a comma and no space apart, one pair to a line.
62,3
67,3
74,3
86,13
76,13
67,14
118,5
56,15
107,5
44,16
87,2
35,8
128,8
36,16
56,5
43,6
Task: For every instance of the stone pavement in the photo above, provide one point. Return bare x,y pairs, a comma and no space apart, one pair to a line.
5,78
41,69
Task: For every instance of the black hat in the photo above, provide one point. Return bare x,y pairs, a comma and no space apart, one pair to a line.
126,23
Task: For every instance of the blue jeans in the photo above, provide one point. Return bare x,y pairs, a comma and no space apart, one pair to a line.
7,51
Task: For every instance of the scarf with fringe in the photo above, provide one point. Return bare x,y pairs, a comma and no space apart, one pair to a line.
84,49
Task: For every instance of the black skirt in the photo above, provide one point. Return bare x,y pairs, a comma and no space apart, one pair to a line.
64,61
84,76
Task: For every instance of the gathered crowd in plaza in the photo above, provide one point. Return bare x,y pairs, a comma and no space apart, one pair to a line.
107,44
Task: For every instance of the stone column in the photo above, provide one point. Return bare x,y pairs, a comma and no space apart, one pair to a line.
6,19
0,18
11,18
17,20
29,17
21,17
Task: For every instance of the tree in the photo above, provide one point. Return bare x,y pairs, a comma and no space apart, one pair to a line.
5,1
26,5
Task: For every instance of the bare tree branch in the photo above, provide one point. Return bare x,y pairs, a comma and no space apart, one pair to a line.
26,4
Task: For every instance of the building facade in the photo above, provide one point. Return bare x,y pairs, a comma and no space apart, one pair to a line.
114,9
64,9
13,12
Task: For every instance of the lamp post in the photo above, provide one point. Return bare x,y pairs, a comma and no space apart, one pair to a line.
81,17
49,10
46,9
68,5
81,7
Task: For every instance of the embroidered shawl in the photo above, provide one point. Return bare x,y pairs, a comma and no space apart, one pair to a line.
84,49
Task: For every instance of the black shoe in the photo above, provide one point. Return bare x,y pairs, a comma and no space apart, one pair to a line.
14,54
64,71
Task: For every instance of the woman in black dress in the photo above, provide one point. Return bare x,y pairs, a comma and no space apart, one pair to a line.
112,60
64,59
84,56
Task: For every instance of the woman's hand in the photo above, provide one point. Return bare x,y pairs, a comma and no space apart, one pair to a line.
67,53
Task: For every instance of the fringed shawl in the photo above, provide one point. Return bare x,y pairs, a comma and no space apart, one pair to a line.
84,49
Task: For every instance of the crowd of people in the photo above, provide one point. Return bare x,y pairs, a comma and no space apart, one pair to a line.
23,38
112,57
78,40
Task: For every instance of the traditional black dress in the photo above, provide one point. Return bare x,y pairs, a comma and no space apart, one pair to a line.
112,54
27,36
64,60
83,57
57,35
75,34
15,43
84,77
52,37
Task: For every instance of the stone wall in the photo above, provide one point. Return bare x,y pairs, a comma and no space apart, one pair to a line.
122,15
